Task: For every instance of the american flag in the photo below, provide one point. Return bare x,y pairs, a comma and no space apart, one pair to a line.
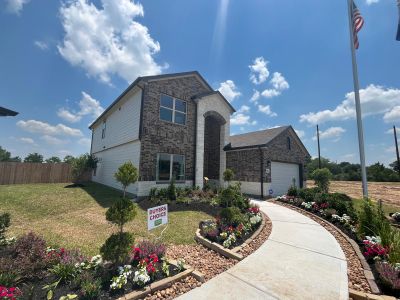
358,23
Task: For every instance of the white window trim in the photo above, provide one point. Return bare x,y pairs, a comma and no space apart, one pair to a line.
103,129
173,109
171,159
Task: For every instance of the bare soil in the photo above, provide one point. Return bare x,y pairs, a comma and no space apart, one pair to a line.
388,192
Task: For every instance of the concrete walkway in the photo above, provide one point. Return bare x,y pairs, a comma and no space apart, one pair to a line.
300,260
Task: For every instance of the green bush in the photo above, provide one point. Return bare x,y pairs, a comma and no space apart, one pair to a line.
81,164
227,197
172,190
90,289
228,175
308,194
127,174
117,247
342,205
322,178
121,212
65,272
368,219
292,191
5,222
231,216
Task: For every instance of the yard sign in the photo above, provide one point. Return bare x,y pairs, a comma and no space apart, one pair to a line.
157,216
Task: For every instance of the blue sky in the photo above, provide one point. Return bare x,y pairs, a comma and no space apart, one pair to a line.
278,62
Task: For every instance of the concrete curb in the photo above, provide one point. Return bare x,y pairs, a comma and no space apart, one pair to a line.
160,284
356,295
366,268
230,253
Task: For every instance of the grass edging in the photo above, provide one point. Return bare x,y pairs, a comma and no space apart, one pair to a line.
366,268
229,253
160,284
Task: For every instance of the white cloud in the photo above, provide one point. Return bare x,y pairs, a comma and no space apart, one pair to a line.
390,131
349,156
266,109
51,140
393,115
369,2
375,100
15,6
270,93
331,133
27,140
300,133
87,106
258,70
47,129
64,152
229,90
255,97
279,82
85,142
391,149
244,109
41,45
242,119
107,41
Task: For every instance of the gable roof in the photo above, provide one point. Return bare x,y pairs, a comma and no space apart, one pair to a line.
202,95
259,138
151,78
4,112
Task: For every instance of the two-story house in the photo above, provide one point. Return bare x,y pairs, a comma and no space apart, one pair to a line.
175,126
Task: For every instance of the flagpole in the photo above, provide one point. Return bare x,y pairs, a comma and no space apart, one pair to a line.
357,101
319,151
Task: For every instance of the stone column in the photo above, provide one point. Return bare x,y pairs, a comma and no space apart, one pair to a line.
200,148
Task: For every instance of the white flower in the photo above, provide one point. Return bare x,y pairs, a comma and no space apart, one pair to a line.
255,219
373,239
141,277
229,241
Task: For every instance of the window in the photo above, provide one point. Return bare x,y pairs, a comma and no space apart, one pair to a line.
170,166
103,130
288,143
172,110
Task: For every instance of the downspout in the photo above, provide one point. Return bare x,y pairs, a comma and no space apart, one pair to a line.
261,172
195,146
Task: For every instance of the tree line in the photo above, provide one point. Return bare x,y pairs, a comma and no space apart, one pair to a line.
347,171
5,156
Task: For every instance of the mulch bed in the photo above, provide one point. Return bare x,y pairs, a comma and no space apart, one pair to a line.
207,261
355,271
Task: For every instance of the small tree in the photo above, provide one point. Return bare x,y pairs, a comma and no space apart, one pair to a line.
322,178
68,159
172,190
53,159
127,174
117,246
228,175
82,164
34,158
4,154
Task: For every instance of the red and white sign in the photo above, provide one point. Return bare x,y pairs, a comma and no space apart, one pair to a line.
157,216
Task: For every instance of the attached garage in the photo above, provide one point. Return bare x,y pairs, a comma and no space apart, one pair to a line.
267,162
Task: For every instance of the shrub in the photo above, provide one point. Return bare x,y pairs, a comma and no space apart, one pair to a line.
30,254
292,191
5,221
322,178
368,217
82,164
227,197
231,216
389,274
127,174
341,205
228,175
148,247
90,287
172,190
64,272
121,212
117,247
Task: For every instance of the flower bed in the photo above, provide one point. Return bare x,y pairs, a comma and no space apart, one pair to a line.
383,255
232,233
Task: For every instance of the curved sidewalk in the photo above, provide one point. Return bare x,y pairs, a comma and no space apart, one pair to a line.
300,260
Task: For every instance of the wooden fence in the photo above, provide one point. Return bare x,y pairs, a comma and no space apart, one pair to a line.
21,173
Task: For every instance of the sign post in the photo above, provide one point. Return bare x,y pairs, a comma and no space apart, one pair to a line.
157,216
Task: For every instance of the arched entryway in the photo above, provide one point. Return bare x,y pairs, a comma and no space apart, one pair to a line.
213,123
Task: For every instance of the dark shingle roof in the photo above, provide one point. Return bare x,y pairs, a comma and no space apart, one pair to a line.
256,138
4,112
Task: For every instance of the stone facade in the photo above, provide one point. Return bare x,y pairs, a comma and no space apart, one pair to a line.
158,136
246,163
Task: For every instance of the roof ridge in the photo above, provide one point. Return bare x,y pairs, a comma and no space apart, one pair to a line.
284,126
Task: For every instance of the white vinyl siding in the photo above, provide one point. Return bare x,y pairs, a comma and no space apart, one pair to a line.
111,159
282,175
122,125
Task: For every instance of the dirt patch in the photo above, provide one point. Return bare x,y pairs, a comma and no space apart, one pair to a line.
388,192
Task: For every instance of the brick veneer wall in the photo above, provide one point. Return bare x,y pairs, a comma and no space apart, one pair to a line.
212,148
158,136
246,163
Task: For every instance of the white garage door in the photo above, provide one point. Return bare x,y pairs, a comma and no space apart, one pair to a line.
282,175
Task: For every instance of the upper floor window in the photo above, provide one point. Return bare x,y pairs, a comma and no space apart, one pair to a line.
289,146
170,166
103,130
172,110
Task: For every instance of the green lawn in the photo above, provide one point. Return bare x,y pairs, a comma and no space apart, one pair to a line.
75,217
387,208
